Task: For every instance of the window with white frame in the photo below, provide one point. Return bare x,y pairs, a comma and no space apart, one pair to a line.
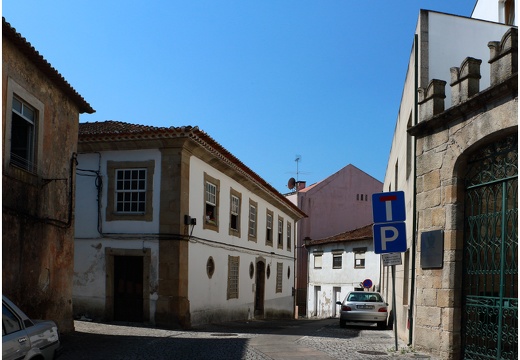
337,260
359,257
233,276
269,228
211,202
253,206
280,232
318,260
23,133
130,190
234,213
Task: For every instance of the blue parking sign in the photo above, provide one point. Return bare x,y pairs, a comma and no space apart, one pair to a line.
389,230
389,237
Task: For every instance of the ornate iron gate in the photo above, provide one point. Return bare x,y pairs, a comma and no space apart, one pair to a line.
490,268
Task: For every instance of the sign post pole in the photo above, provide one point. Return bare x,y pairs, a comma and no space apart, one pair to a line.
389,232
393,306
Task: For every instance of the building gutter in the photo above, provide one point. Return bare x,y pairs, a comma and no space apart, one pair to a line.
414,205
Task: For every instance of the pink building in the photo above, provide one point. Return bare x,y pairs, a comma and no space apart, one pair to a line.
339,203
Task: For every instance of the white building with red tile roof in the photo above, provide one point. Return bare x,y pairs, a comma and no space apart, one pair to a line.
172,229
339,264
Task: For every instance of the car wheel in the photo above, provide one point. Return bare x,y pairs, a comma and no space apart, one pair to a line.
342,323
381,324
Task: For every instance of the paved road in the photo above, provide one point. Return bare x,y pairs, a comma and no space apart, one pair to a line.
253,340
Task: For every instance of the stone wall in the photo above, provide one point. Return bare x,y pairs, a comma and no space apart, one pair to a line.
444,140
37,216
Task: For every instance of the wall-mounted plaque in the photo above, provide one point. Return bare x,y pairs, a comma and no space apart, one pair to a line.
432,249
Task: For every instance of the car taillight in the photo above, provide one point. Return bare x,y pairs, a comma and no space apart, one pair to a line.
345,308
383,309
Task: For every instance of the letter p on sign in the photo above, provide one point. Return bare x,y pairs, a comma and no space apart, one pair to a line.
389,237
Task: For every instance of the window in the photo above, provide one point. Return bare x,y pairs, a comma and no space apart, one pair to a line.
233,267
280,232
23,133
10,322
289,238
234,213
253,206
211,202
279,274
317,261
337,260
210,267
359,257
507,11
269,228
130,190
24,128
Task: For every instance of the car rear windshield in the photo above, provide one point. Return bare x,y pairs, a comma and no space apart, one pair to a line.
368,297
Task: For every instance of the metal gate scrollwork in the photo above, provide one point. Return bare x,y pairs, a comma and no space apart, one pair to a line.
490,268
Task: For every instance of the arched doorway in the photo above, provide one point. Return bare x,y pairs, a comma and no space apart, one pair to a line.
490,265
260,288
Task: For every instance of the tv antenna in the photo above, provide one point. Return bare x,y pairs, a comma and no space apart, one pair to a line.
298,159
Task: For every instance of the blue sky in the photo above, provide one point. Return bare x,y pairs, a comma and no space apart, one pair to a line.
267,79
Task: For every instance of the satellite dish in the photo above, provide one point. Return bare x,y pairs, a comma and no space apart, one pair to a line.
292,183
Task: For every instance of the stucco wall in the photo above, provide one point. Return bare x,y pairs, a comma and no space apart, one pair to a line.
322,303
37,231
208,300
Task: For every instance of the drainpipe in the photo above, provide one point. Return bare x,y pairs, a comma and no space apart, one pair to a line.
414,205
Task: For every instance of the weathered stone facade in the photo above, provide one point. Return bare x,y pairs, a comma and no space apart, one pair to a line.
37,198
445,140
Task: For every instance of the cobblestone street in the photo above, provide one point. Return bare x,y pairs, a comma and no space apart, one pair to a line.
254,340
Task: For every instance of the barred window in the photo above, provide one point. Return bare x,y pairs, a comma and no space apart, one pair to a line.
131,191
233,269
279,274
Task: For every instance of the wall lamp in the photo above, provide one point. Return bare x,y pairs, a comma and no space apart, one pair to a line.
307,241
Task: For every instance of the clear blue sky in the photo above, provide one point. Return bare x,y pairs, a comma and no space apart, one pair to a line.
267,79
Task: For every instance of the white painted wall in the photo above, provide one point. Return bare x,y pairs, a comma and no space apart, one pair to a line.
347,278
86,194
452,39
491,10
208,298
89,287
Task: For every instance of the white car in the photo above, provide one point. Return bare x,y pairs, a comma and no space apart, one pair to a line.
363,306
23,338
